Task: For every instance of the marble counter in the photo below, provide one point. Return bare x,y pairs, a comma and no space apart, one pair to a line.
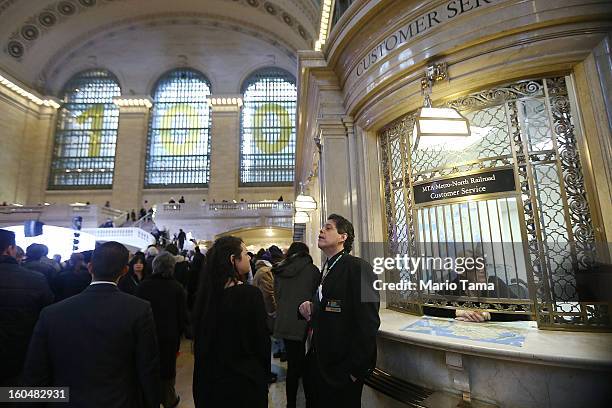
559,348
536,369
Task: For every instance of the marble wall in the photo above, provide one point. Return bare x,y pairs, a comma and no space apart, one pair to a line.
499,382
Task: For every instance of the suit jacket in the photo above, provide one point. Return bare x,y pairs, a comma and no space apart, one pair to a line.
345,321
101,343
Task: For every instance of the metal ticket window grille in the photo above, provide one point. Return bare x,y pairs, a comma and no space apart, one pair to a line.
178,145
267,129
539,240
86,133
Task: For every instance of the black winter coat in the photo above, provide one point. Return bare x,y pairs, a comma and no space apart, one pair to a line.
128,283
42,267
181,271
169,304
345,321
23,293
295,281
232,370
69,283
195,269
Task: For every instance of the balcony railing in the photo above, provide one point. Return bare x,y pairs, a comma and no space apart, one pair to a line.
240,207
134,237
61,214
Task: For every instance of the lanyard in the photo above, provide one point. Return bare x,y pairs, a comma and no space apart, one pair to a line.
326,271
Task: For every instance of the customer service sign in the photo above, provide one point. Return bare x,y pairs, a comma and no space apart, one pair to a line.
486,182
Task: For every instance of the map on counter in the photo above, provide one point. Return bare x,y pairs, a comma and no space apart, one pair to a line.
499,333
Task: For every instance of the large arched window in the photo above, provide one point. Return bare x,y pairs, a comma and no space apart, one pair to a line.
178,149
267,131
86,134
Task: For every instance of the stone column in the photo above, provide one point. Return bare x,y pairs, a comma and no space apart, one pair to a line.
225,148
335,169
130,153
341,174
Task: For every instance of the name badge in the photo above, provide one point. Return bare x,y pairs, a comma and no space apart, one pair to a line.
333,306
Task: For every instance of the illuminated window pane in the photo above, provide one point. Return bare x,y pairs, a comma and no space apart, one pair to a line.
86,134
178,149
267,133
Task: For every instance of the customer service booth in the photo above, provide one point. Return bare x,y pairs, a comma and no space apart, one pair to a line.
513,192
527,189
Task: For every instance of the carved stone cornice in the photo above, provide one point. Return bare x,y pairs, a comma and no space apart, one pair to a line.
45,20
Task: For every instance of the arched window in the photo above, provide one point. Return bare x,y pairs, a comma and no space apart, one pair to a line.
178,149
86,134
267,128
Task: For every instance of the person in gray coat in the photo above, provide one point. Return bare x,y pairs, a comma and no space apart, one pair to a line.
295,280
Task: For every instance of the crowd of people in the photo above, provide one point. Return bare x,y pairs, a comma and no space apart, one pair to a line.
109,325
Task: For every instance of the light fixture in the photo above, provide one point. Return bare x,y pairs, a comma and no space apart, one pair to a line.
301,217
326,13
230,101
26,94
434,126
304,202
139,101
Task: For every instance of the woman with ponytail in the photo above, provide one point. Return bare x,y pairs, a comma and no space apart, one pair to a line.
231,343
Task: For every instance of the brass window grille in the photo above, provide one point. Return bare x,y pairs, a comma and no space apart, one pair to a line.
537,239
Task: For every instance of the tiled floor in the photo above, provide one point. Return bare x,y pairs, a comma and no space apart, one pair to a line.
184,375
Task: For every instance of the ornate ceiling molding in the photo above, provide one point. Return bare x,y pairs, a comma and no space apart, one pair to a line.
61,60
309,9
5,4
39,24
280,14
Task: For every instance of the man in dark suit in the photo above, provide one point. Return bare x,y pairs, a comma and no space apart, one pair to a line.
101,343
343,316
181,238
23,293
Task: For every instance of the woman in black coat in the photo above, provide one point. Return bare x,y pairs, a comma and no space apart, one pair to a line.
136,273
169,303
295,281
231,344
